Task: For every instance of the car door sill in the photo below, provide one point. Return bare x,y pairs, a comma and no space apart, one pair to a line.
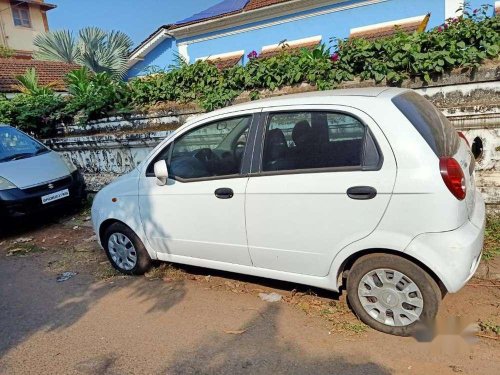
325,282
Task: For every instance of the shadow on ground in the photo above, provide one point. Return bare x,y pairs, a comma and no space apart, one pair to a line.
261,350
32,301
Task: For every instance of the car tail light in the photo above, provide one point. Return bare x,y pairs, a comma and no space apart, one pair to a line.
453,176
462,135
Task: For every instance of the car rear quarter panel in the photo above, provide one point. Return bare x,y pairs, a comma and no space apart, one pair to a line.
420,202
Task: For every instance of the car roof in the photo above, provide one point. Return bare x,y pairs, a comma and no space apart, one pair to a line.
339,96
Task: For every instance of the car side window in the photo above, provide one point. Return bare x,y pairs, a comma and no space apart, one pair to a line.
214,149
313,140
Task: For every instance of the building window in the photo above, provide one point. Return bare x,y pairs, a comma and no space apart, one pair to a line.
21,15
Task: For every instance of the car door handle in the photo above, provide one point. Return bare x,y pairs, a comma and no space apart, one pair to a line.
224,193
361,192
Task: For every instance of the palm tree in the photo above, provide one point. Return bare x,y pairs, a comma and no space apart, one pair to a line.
96,49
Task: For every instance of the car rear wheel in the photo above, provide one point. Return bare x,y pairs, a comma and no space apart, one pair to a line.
392,294
125,250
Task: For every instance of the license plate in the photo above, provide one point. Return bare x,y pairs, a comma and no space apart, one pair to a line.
55,196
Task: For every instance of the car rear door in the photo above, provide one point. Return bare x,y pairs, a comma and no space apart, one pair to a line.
306,199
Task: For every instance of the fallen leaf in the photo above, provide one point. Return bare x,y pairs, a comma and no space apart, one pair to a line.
13,251
23,239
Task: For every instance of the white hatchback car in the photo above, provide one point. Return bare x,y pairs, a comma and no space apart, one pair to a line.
373,187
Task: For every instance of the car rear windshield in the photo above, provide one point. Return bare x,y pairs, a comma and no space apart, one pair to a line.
16,145
432,125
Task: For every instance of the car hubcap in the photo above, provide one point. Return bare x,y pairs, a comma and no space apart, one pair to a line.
122,251
390,297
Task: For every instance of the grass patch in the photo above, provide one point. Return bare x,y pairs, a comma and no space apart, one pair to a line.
489,328
93,262
166,272
492,238
338,315
352,327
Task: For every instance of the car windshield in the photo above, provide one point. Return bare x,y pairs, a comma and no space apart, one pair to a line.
15,145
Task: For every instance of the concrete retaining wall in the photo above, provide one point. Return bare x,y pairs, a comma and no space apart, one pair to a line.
110,147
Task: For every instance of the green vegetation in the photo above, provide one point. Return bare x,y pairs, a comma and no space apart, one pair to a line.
96,49
492,238
6,52
96,91
36,109
489,327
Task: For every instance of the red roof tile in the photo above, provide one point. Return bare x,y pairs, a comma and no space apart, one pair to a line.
226,62
257,4
386,31
289,49
49,72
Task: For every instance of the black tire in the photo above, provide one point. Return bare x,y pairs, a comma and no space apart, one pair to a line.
144,261
431,293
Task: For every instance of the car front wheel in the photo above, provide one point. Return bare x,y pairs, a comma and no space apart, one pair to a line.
125,250
392,294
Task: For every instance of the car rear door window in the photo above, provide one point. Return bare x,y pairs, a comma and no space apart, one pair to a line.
432,125
315,140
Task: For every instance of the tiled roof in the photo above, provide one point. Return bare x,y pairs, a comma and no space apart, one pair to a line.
270,52
257,4
43,6
385,30
49,72
226,62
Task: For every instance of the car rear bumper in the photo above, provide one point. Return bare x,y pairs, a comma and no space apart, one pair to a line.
454,255
16,203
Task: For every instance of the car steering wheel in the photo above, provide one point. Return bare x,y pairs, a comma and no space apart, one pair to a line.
205,155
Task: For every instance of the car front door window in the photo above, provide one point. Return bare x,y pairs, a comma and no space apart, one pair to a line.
212,150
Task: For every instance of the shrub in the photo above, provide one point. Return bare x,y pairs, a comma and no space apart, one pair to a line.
36,114
37,109
93,95
5,110
461,42
6,52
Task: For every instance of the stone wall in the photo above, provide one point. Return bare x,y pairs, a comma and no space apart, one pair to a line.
113,146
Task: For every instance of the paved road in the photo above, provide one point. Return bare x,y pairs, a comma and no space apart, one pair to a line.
136,326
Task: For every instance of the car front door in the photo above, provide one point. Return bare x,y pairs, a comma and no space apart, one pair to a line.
199,213
322,179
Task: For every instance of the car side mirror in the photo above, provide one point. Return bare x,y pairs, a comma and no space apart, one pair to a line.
161,172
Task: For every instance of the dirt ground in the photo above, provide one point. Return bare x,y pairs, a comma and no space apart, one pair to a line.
187,320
